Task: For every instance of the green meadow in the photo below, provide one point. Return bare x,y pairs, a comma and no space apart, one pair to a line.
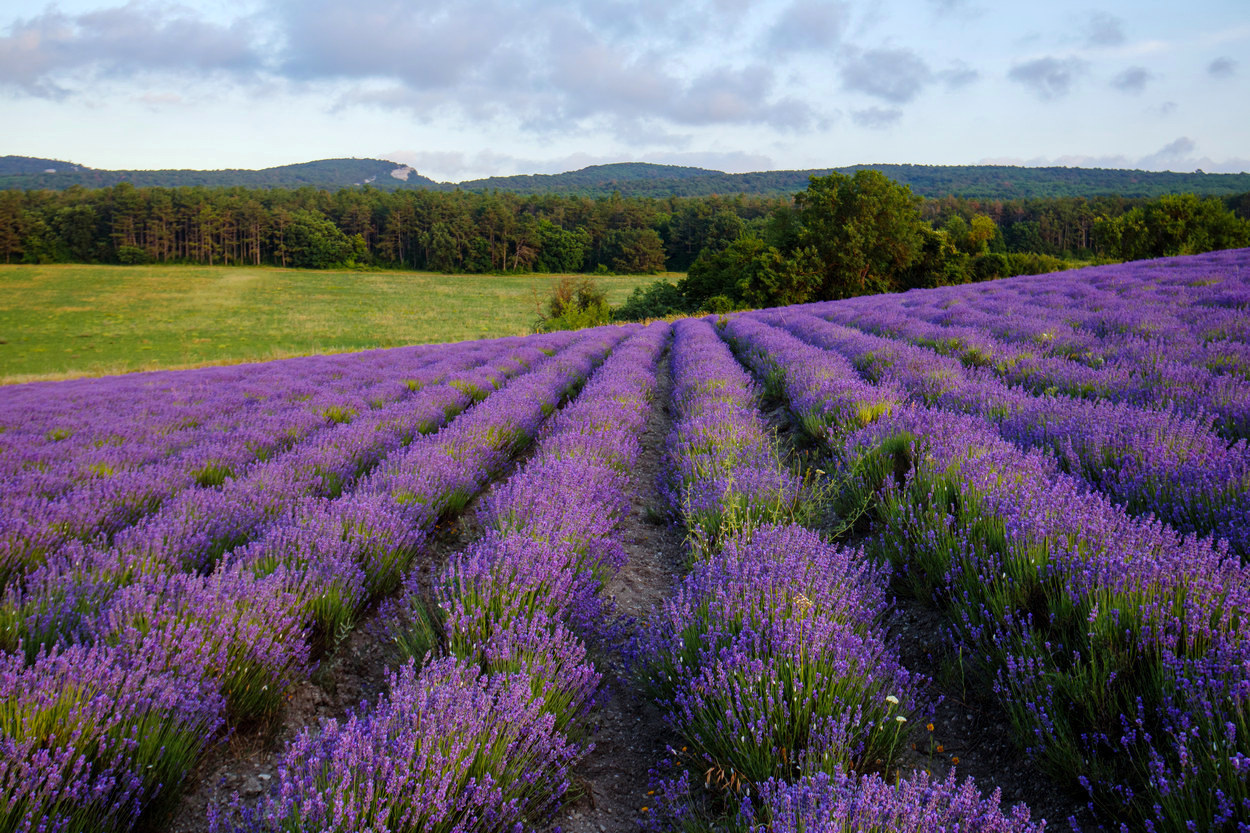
63,321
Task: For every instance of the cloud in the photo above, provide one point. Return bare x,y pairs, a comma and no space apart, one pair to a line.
37,53
547,67
877,118
1105,30
380,39
1132,80
893,75
1049,78
807,25
1175,155
958,75
945,7
161,101
1222,67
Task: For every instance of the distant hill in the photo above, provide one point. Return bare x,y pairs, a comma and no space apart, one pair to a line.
25,173
973,181
640,179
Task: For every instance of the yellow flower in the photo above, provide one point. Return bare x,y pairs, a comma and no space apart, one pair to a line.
929,727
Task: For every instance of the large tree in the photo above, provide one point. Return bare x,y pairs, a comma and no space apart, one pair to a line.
865,230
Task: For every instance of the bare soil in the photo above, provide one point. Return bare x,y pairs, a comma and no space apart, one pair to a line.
630,737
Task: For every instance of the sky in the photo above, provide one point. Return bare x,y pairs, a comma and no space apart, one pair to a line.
461,89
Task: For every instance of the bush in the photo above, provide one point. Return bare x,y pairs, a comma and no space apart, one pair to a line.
576,301
131,255
658,300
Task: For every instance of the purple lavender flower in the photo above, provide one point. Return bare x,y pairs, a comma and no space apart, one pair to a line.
448,749
844,802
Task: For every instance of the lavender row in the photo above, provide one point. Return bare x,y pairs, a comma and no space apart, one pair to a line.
1116,646
919,805
338,555
820,386
1195,391
241,637
192,532
1181,309
510,698
723,472
60,434
237,429
1154,377
37,522
769,661
1150,461
199,523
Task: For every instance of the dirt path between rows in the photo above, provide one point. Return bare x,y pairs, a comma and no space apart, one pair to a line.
630,737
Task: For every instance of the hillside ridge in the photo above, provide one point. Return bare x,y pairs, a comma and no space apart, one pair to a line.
641,179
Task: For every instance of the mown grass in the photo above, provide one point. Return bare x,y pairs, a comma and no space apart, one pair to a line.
63,321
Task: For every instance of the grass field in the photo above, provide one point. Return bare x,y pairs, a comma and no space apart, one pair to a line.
68,320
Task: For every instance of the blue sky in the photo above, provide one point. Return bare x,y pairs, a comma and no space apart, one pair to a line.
482,87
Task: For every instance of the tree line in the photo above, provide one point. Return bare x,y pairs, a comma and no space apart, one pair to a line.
864,234
460,231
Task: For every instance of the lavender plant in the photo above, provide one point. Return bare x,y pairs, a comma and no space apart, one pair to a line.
447,749
844,803
98,738
768,661
1084,616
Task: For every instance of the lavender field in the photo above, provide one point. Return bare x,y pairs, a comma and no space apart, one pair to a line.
1051,471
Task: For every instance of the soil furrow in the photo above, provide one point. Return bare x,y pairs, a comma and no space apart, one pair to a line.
629,733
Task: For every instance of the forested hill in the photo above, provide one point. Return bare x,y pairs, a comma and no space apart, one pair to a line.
26,173
639,179
995,182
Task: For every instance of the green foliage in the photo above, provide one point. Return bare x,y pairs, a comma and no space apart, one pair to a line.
636,179
657,300
131,256
1174,224
561,250
938,263
865,230
459,231
575,302
971,237
720,273
1030,263
314,242
635,251
844,236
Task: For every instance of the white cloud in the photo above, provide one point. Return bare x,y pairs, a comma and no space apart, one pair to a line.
1049,78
